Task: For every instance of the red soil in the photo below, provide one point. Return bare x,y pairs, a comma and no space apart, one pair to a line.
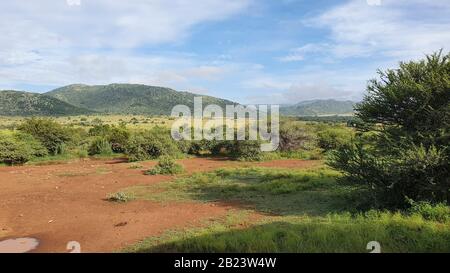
66,202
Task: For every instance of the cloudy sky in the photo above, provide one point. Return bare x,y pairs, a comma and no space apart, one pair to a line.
251,51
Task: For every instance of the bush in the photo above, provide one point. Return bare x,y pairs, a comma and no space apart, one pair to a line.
246,150
100,146
214,147
120,197
117,136
333,138
12,152
34,145
151,144
438,212
415,173
184,146
294,137
82,152
166,165
100,130
18,148
51,134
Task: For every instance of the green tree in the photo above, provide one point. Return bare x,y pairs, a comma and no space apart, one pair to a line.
406,114
51,134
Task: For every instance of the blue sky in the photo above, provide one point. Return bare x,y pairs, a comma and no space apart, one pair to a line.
250,51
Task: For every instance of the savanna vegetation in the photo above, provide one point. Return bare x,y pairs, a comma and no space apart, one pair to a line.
382,175
147,137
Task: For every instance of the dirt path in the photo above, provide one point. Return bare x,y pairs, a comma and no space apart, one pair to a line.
61,203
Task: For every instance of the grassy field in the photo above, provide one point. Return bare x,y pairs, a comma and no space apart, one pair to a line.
303,211
133,121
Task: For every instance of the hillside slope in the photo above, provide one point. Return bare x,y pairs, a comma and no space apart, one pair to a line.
18,103
129,98
318,108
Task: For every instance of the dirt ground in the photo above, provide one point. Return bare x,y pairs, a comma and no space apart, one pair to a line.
66,202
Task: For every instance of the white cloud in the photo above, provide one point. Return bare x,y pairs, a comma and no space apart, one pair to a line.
205,72
55,42
384,34
396,28
299,54
302,92
106,23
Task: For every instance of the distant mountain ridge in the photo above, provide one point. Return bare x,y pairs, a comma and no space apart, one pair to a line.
129,98
80,99
318,108
20,103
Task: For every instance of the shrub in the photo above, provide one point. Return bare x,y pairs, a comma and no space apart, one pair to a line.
51,134
294,137
100,146
333,138
120,197
34,145
151,144
246,150
438,212
100,130
12,152
214,147
82,152
415,172
184,146
166,165
18,148
117,136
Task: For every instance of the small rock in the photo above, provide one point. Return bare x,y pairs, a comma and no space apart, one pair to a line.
51,221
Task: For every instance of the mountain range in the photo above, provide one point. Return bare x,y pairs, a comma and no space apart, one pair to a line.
80,99
106,99
318,108
18,103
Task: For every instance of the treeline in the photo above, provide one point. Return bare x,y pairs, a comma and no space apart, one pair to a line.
40,138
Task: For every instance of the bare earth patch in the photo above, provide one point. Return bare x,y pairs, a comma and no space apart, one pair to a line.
61,203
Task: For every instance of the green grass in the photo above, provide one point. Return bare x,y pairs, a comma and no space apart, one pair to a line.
284,192
307,211
233,219
335,233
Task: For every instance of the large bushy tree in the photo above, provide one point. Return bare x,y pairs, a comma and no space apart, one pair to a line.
402,151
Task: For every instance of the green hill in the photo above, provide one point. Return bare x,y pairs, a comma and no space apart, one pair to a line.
129,98
318,108
17,103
